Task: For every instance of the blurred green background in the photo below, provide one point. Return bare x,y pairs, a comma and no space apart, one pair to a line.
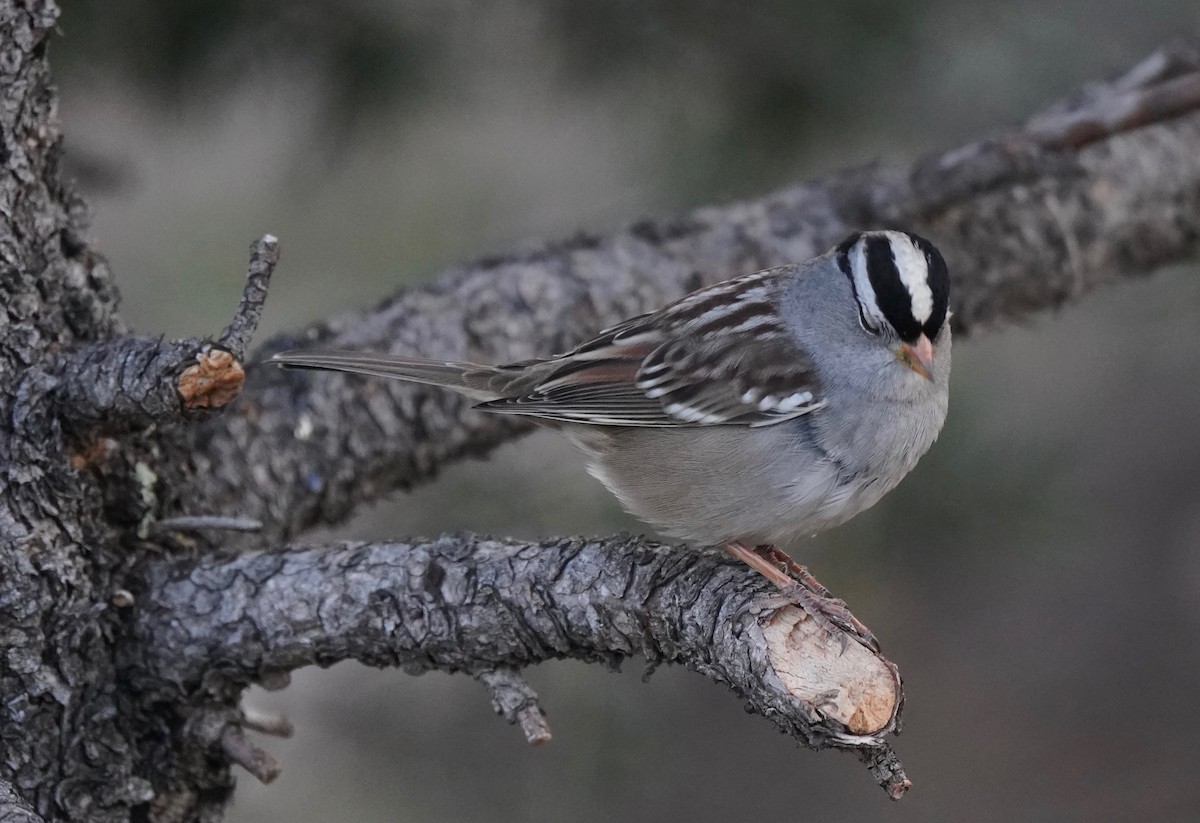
1037,578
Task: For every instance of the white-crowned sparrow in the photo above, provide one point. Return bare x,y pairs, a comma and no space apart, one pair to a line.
748,413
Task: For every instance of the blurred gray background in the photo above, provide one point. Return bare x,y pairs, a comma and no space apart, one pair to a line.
1037,578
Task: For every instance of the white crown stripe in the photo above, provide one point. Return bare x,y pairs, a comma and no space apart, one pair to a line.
914,274
910,265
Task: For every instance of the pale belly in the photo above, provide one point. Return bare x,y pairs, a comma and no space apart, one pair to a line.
709,486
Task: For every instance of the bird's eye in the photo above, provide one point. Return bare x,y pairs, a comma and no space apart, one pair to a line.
868,327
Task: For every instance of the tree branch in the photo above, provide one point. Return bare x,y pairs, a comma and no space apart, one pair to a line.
1164,85
1027,219
130,382
478,605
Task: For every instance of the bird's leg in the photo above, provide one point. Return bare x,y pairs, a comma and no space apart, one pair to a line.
841,613
794,569
803,590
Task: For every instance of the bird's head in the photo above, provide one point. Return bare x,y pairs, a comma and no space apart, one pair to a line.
902,291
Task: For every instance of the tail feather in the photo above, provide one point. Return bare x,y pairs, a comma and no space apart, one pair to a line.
466,378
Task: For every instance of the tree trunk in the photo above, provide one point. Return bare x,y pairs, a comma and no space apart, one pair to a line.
144,580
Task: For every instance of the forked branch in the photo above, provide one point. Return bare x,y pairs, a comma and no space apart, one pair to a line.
130,382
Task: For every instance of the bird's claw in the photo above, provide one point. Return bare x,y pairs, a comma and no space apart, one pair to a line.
831,614
798,587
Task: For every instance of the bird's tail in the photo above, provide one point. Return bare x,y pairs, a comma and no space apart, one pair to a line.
467,378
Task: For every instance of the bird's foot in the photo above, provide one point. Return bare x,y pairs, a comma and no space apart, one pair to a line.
817,602
799,588
831,614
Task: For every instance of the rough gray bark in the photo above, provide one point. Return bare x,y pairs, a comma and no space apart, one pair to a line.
463,603
125,657
13,809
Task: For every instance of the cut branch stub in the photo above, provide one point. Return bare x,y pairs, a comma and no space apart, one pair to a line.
214,381
253,759
847,683
516,701
131,382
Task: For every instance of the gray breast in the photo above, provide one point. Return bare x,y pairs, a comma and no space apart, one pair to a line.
710,485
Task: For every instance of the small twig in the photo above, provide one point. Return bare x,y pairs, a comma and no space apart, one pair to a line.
205,522
264,254
1163,86
272,723
885,766
247,755
1116,112
516,702
1181,57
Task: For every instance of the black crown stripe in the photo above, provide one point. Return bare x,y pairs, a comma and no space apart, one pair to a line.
891,295
939,285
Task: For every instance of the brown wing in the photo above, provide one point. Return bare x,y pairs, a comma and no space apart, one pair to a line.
720,356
